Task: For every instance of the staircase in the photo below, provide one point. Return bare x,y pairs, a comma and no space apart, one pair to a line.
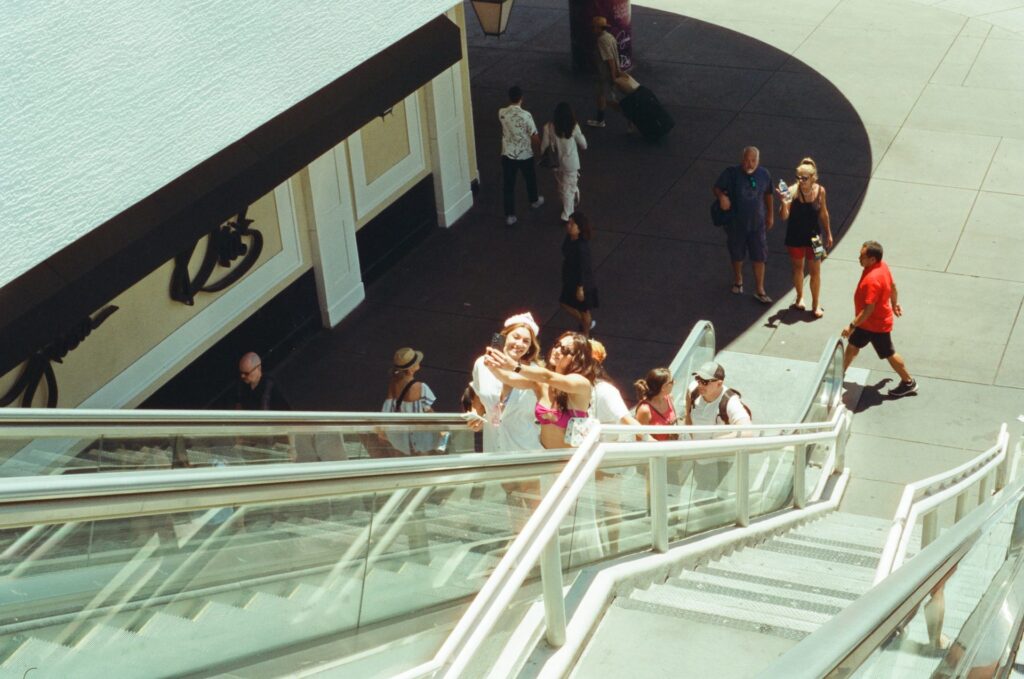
730,617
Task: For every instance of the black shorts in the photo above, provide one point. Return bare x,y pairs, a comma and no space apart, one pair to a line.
881,341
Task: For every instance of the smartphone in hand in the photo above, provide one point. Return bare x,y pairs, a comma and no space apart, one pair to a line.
498,341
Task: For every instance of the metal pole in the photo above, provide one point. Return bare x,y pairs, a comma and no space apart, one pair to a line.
742,488
551,583
799,484
659,504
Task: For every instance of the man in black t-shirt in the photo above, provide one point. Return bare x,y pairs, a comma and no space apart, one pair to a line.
256,392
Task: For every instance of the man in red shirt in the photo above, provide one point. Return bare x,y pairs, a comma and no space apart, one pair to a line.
875,302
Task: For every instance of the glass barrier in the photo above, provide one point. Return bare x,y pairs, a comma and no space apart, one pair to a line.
254,580
124,449
927,641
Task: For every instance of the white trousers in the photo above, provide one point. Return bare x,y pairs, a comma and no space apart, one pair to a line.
568,190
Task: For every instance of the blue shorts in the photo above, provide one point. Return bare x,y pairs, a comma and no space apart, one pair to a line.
742,242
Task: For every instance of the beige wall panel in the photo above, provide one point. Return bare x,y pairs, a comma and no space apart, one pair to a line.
385,142
458,15
146,316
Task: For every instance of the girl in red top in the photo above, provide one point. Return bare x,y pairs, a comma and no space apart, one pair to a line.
655,395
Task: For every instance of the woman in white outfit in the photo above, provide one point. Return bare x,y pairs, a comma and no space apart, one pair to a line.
509,422
564,134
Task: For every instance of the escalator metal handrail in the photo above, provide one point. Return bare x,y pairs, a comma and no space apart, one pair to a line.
701,330
831,359
925,495
845,641
64,422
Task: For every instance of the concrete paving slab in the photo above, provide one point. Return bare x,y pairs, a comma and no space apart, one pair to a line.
839,50
998,66
958,60
871,498
975,27
877,458
974,8
1009,32
918,225
972,110
1010,19
940,158
1006,173
992,244
944,412
1011,370
880,16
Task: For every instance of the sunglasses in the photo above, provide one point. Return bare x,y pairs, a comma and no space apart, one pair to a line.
562,349
802,178
703,382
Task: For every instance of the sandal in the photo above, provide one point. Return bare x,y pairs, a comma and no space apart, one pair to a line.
737,288
819,312
762,297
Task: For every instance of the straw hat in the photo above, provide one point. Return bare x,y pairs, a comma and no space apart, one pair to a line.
406,358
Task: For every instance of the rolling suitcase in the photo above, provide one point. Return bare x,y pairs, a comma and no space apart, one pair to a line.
644,110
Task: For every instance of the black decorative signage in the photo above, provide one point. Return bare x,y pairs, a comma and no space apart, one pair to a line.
224,244
40,364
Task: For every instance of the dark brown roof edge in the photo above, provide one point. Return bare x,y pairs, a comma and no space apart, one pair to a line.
45,302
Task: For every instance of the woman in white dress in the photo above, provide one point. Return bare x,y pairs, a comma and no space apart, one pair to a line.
564,134
509,423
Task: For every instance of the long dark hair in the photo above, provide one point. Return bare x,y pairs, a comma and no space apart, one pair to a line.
582,364
651,385
583,221
564,119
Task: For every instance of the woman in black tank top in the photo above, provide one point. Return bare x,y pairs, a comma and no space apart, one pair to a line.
806,215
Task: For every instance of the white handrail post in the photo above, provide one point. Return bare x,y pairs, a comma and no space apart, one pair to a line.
742,488
961,507
551,581
982,489
799,484
659,504
929,528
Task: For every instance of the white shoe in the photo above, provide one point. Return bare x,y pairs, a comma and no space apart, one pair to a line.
510,220
595,123
537,203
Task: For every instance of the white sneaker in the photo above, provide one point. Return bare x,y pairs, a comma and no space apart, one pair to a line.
510,220
595,123
537,203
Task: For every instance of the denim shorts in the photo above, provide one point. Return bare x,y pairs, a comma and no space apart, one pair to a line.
743,242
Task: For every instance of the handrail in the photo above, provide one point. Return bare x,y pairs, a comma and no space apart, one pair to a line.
874,616
536,537
64,422
831,360
699,336
922,496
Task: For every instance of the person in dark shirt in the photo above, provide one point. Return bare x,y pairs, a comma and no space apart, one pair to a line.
256,392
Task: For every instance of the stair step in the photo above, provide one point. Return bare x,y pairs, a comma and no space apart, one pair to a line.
793,630
832,555
723,584
756,577
822,574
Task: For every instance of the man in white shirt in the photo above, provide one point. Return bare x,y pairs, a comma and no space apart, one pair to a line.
519,139
709,401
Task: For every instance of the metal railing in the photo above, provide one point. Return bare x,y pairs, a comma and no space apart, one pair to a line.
842,644
923,498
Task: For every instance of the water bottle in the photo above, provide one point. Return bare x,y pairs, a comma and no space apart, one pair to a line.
784,190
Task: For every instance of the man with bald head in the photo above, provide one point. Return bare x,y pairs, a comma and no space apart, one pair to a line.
256,392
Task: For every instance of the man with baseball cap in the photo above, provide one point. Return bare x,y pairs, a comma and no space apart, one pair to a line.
709,401
606,59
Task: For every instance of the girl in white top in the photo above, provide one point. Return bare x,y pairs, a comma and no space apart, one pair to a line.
565,135
509,422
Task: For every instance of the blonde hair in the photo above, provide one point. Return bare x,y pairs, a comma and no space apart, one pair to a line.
812,166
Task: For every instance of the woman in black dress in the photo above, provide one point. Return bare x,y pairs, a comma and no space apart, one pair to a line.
579,292
804,208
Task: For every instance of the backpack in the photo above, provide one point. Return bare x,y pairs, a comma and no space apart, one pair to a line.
723,404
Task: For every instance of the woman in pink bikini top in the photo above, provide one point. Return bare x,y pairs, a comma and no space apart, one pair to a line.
564,388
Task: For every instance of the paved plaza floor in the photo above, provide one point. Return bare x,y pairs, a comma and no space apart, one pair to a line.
915,114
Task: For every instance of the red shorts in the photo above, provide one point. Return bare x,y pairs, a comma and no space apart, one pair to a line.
801,253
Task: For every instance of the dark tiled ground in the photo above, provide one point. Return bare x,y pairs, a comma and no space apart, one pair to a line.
660,265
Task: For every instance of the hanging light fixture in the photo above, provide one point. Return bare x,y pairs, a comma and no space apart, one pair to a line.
493,15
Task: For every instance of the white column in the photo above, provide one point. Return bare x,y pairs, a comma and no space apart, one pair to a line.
339,281
449,154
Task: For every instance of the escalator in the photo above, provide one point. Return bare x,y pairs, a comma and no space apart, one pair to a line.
183,544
